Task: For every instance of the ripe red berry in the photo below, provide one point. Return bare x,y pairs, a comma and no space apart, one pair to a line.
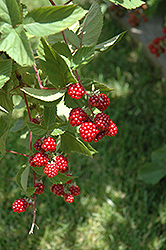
77,116
94,100
37,144
31,160
74,190
49,144
58,189
76,91
39,188
164,30
104,102
88,131
51,170
68,198
102,121
40,159
61,162
20,205
112,130
99,136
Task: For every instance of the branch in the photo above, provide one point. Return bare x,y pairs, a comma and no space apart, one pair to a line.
14,152
34,208
51,1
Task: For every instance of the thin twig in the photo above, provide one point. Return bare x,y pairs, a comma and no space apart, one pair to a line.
14,152
26,102
85,92
51,1
68,2
64,37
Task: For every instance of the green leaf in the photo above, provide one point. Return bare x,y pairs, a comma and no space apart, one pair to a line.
62,49
59,129
46,95
128,4
69,143
6,101
90,84
83,56
73,103
49,115
109,44
50,20
19,124
159,157
15,43
30,191
3,143
91,27
5,71
61,178
22,177
151,173
72,38
54,66
9,12
36,129
38,170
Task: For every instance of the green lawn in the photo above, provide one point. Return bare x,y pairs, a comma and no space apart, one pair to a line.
115,211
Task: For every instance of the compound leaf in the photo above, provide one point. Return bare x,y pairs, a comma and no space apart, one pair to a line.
46,95
69,143
15,43
54,65
50,20
91,27
128,4
5,71
109,44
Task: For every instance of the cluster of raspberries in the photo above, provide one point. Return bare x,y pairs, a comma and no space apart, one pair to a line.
67,191
91,129
158,45
52,165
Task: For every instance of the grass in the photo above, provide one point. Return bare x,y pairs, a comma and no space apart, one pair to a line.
115,211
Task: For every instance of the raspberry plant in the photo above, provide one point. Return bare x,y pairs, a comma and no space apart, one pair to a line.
41,52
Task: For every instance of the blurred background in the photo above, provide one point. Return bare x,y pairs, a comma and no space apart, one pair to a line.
115,210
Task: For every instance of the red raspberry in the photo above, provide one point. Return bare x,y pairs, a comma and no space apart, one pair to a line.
88,131
104,102
156,40
37,144
31,160
76,91
49,144
61,162
112,130
40,159
74,190
164,30
77,116
51,170
99,136
94,100
20,205
68,198
69,181
39,188
58,189
102,121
